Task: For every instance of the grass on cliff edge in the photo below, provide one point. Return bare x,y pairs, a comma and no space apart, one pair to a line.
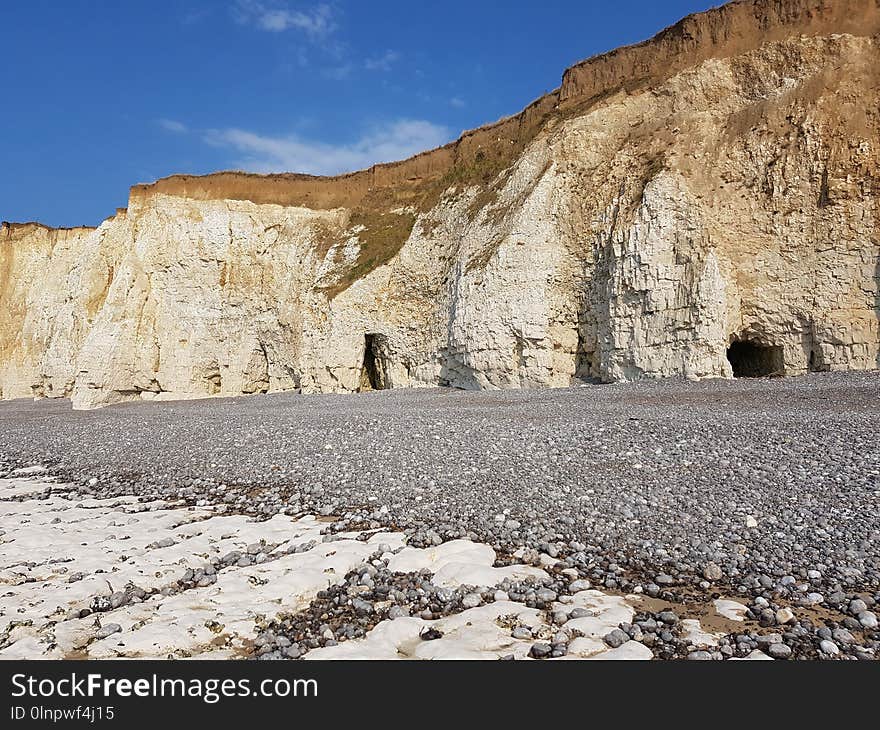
387,228
385,231
383,236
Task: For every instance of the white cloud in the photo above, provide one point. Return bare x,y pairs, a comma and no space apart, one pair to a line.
394,141
383,62
316,21
172,125
337,73
457,102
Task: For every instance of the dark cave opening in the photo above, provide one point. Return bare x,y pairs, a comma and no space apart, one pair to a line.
585,362
816,362
374,369
750,359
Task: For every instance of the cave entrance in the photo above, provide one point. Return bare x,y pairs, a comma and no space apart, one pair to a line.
751,359
586,362
374,371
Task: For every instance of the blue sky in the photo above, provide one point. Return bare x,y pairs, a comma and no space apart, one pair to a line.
100,95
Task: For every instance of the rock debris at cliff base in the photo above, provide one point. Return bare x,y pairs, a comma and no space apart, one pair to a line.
763,492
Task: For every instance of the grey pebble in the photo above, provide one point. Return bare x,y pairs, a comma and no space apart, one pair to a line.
616,638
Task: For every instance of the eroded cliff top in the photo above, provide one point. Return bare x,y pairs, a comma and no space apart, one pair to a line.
479,155
734,28
10,230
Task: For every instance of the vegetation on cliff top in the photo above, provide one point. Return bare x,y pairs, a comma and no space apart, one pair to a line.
386,216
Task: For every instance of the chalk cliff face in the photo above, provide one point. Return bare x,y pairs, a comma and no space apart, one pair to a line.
701,203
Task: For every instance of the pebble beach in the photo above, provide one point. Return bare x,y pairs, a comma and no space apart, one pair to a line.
655,520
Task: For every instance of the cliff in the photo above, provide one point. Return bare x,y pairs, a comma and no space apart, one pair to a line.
702,203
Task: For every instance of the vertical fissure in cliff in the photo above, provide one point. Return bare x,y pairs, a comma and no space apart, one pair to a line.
752,359
374,371
585,366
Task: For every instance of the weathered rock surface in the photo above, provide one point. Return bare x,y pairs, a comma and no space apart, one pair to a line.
121,592
716,185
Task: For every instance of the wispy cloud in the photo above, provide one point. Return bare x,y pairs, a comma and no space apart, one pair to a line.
316,20
393,141
172,125
457,102
337,73
383,62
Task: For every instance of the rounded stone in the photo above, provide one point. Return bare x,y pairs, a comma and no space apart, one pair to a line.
540,650
779,651
616,638
784,616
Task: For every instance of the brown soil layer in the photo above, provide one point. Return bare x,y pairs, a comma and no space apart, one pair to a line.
734,28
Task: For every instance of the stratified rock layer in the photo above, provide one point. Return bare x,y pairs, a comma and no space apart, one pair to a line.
716,185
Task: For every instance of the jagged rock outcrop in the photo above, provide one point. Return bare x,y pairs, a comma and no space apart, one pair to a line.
718,184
